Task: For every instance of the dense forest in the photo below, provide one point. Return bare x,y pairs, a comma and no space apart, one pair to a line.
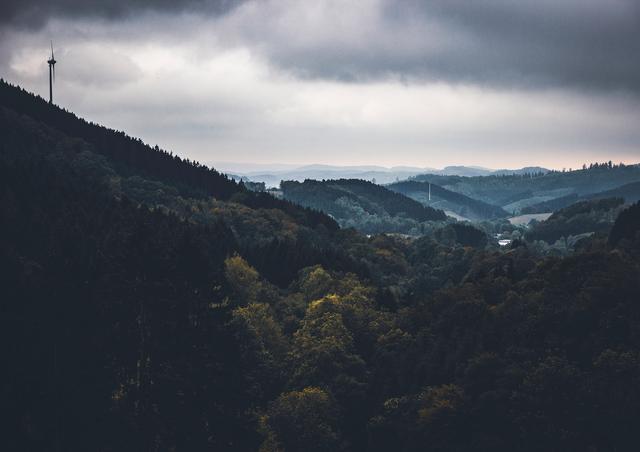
152,304
579,218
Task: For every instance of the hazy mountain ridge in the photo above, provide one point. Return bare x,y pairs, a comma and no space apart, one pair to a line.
514,193
371,173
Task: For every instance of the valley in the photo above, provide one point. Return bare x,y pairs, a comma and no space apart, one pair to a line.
154,303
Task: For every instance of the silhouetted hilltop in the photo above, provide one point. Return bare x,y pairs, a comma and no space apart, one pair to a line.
131,154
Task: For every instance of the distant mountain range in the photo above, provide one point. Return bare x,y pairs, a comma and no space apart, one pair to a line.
375,174
273,175
475,171
471,192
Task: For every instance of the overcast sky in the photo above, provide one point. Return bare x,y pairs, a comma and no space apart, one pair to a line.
495,83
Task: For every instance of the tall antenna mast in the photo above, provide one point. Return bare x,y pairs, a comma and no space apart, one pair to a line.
52,74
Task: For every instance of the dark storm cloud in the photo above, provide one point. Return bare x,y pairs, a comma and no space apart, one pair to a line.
590,43
581,44
35,13
573,43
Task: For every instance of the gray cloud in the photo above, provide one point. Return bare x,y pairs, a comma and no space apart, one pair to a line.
583,44
35,13
493,82
98,67
589,43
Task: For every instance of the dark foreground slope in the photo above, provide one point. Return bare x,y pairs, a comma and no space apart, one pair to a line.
131,320
105,322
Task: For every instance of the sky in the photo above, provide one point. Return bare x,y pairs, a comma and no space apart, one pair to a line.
426,83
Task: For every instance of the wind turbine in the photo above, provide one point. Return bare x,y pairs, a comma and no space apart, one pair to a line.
52,73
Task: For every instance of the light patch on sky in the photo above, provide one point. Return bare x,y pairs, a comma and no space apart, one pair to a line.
244,87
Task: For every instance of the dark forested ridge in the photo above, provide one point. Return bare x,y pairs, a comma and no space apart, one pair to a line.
442,198
131,154
595,216
142,312
362,204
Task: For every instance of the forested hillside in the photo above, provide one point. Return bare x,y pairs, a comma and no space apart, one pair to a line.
364,205
515,193
142,310
630,193
444,199
579,218
131,157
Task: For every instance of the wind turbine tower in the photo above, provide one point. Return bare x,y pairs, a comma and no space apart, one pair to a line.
52,73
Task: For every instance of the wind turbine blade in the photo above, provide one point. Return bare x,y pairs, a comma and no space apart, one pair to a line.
54,73
52,50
